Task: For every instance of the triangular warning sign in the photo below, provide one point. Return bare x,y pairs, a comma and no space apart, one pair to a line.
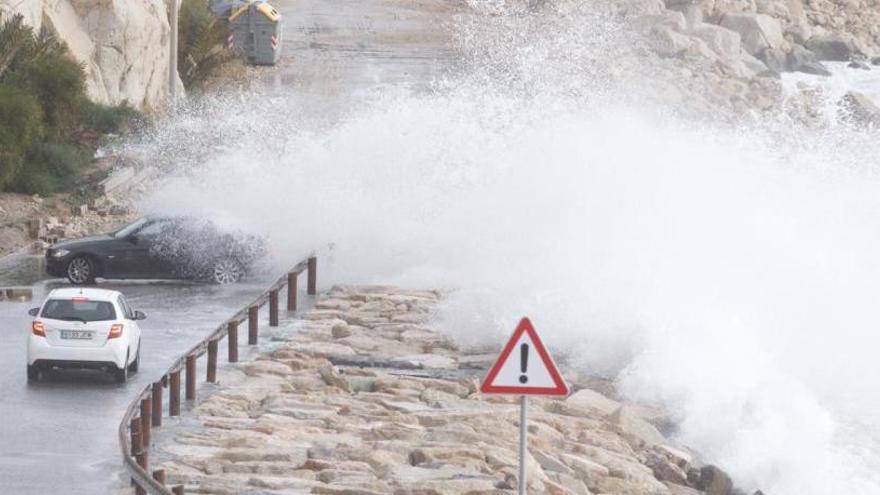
524,367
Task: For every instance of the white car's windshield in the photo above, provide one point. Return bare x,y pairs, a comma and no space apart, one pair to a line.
130,228
76,310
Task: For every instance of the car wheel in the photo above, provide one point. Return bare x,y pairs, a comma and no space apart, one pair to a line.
227,271
81,270
136,364
121,374
33,373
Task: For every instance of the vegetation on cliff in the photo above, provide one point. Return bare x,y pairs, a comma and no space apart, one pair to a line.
201,49
48,127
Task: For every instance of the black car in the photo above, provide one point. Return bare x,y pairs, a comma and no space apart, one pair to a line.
157,247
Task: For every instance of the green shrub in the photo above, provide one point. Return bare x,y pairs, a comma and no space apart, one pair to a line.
108,119
50,168
21,125
43,106
201,43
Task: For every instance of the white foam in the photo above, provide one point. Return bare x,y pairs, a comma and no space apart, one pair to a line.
727,274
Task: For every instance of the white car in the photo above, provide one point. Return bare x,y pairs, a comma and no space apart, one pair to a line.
84,328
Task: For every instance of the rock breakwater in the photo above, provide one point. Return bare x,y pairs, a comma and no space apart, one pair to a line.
364,395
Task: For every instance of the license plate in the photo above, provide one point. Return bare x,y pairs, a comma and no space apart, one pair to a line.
76,334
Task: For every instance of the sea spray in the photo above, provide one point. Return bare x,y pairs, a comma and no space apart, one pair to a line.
725,272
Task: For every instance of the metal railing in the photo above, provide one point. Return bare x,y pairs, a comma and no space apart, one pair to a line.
145,411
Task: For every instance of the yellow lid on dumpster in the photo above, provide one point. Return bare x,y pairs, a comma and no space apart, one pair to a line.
262,7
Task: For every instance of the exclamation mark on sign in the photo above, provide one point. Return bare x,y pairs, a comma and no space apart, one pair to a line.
523,362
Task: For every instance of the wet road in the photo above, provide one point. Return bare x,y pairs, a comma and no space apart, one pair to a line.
59,435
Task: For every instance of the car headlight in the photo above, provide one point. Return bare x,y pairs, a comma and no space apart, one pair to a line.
60,253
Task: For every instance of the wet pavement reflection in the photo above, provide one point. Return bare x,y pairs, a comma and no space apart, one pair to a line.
59,435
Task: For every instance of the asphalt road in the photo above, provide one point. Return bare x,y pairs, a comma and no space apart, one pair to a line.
59,435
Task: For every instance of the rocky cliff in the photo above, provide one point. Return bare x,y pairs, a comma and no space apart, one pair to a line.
123,44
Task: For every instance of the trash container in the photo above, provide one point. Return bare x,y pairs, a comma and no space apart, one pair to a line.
255,32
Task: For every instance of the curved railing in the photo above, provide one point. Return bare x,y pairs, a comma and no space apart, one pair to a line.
145,411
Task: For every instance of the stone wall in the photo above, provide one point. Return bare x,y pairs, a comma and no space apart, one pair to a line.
123,44
365,397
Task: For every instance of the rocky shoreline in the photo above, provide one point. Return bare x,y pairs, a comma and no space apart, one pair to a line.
364,394
729,54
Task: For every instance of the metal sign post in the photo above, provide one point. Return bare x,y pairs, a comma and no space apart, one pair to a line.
523,441
513,375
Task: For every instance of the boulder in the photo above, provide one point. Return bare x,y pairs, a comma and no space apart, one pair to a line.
859,109
875,61
859,64
723,41
758,31
340,331
775,59
589,399
668,43
815,68
634,426
831,47
665,470
675,489
778,9
714,481
800,56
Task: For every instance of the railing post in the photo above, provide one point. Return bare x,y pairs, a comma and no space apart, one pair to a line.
191,377
253,324
212,361
136,449
135,430
273,308
174,394
159,476
146,421
232,337
157,403
291,290
313,276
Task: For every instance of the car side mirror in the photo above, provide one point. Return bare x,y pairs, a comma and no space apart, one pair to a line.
34,311
139,315
133,239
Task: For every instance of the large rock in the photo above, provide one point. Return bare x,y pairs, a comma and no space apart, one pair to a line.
722,41
858,108
587,399
831,47
122,44
714,481
632,425
758,31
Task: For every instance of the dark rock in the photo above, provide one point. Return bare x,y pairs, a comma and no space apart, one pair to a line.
875,61
802,60
664,470
799,56
693,477
858,64
714,481
775,59
816,68
831,47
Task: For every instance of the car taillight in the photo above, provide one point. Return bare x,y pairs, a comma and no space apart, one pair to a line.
115,331
38,329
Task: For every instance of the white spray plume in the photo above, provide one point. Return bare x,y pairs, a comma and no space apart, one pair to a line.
728,274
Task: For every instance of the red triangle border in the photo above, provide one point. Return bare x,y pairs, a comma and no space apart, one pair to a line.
525,325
